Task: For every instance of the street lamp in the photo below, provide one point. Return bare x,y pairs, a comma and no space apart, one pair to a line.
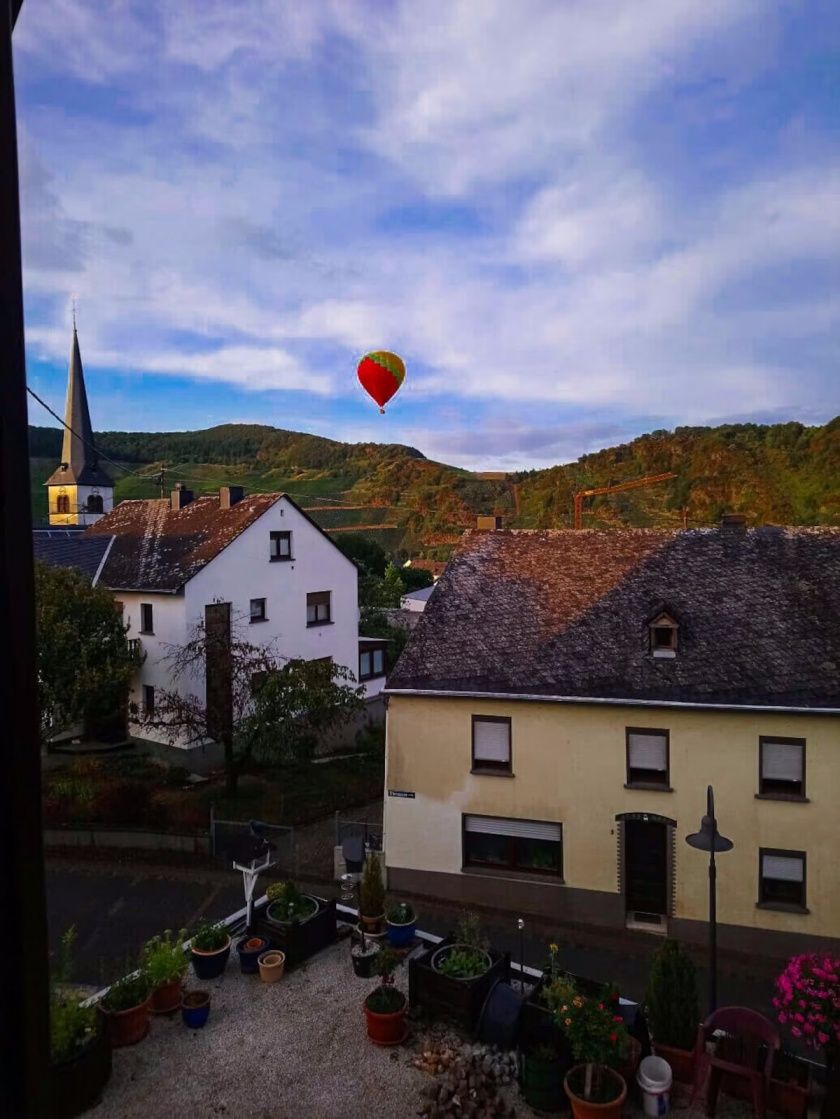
709,839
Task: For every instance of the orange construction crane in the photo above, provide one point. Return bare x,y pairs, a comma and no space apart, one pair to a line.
633,484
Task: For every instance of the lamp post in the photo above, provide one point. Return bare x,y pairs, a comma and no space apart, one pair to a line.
709,839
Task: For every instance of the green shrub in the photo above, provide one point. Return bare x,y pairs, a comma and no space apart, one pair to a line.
671,997
128,992
164,959
372,889
210,936
71,1024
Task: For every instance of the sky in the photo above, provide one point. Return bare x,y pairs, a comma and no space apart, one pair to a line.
576,220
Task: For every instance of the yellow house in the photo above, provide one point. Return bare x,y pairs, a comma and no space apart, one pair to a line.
565,701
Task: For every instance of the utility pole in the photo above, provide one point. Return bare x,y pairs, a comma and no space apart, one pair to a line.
24,989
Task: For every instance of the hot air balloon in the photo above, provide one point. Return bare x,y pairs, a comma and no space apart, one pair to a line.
381,373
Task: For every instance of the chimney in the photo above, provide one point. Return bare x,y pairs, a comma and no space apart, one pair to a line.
180,497
733,524
229,496
488,524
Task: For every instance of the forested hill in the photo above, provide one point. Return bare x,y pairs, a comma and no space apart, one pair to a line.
780,473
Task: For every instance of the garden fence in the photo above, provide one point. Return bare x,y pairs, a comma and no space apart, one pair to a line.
371,833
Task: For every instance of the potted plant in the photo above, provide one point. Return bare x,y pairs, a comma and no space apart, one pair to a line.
165,963
363,955
808,1002
467,958
671,1008
402,923
598,1038
80,1051
287,904
126,1008
210,949
372,895
385,1006
542,1070
271,965
249,949
195,1008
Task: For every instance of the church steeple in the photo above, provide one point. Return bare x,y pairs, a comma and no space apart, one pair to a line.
80,491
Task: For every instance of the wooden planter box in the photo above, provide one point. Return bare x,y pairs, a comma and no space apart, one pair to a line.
459,999
299,939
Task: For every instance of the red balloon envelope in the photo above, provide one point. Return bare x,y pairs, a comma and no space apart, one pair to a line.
381,373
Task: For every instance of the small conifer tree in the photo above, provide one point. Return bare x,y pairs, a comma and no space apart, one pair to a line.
671,998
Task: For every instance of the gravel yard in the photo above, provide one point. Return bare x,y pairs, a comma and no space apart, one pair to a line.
295,1048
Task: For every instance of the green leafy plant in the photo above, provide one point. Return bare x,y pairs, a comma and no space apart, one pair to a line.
164,959
128,992
210,936
372,888
559,992
671,997
463,962
72,1025
470,932
402,913
386,999
288,903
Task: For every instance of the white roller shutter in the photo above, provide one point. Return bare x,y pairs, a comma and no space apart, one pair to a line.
523,829
786,868
491,741
781,761
648,751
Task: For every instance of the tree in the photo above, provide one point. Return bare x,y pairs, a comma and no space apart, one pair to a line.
274,709
369,556
85,662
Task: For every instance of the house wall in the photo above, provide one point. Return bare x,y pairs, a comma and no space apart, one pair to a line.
568,766
78,496
243,571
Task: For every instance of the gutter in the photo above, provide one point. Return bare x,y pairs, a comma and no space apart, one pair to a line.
527,697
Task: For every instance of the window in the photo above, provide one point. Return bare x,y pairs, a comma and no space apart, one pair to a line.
280,546
62,503
371,663
648,758
781,768
258,610
781,879
146,618
94,503
491,744
663,635
524,845
318,608
148,699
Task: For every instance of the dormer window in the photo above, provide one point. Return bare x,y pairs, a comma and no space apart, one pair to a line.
664,635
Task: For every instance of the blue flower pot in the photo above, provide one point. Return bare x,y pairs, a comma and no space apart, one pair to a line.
249,957
195,1016
400,936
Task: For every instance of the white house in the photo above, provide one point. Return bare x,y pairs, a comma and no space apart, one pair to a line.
415,601
287,583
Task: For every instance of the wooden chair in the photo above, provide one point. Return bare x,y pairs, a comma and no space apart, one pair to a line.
737,1054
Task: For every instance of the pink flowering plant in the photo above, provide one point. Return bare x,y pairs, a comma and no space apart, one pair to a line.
808,999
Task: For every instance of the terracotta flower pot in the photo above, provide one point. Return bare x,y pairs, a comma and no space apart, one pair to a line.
167,998
387,1029
271,965
373,924
127,1027
584,1109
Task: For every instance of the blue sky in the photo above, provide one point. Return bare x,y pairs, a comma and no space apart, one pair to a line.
576,221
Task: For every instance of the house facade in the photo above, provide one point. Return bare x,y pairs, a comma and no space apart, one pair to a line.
565,701
287,585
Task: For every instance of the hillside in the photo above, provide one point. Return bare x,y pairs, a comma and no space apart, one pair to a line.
782,473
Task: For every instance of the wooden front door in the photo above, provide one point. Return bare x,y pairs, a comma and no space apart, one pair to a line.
646,867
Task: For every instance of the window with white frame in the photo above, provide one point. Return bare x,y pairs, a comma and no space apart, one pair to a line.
782,767
781,878
491,746
648,760
534,846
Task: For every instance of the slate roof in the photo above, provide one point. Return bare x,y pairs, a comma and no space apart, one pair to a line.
159,549
565,613
61,547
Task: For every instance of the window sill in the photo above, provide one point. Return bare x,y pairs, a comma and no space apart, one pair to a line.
509,874
146,632
313,625
782,907
649,787
256,621
281,559
795,798
481,771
